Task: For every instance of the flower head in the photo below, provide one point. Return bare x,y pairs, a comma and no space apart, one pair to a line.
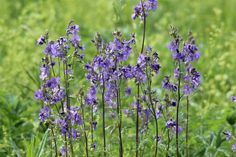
228,135
233,98
143,8
128,91
44,113
234,147
170,123
41,40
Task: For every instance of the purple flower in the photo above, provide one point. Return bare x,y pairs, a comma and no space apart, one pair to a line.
93,145
173,103
39,95
148,114
179,129
41,40
158,114
128,91
44,71
192,52
53,83
74,116
174,46
228,135
176,73
58,96
63,150
72,32
62,40
170,123
156,67
44,113
141,60
63,125
167,85
127,72
233,98
158,139
75,134
188,89
234,147
91,96
53,49
139,74
143,8
94,124
127,113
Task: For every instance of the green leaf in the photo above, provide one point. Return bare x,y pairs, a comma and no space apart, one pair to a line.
42,144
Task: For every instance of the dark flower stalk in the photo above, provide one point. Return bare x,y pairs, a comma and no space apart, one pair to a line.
84,127
66,145
92,119
137,121
103,116
138,86
154,114
152,66
141,10
55,141
177,110
168,143
119,114
187,128
67,86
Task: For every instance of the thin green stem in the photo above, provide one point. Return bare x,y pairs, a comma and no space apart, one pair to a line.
168,143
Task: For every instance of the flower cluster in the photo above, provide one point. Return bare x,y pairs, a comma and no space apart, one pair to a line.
143,8
187,55
54,93
107,68
229,135
111,77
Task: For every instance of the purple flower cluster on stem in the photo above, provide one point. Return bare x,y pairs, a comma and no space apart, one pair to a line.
52,92
109,75
185,73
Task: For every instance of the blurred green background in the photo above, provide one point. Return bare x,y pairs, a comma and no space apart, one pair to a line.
213,23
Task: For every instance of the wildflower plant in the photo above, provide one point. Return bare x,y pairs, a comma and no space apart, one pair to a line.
230,135
76,114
